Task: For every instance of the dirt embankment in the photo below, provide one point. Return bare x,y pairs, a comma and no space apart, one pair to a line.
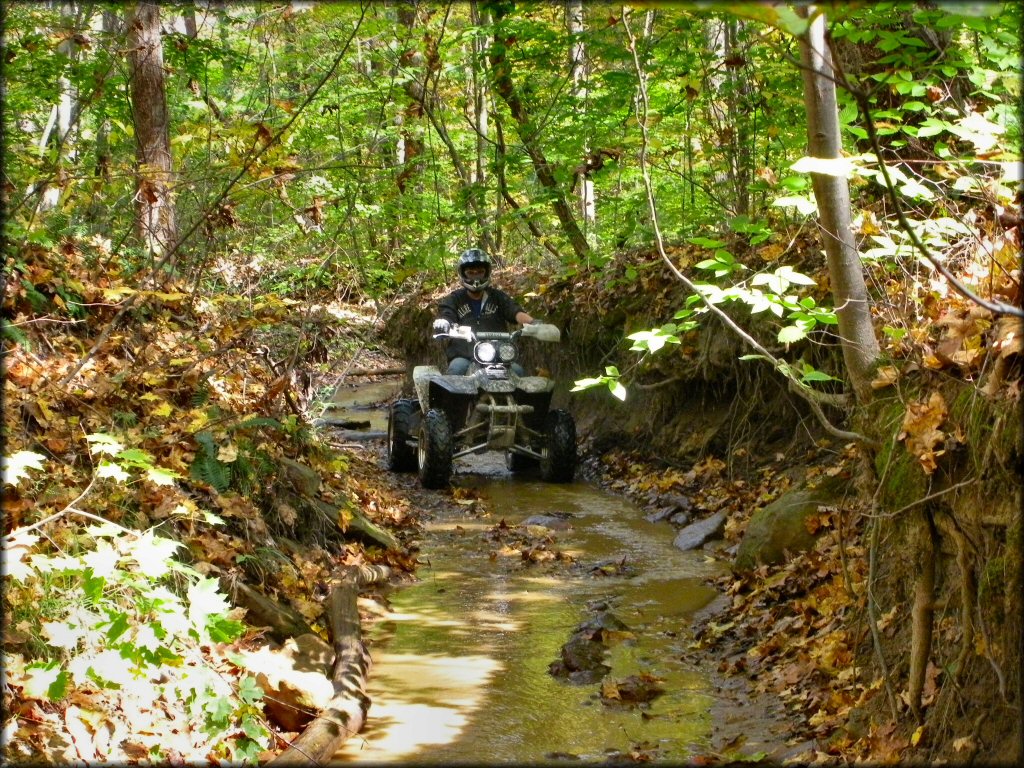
926,669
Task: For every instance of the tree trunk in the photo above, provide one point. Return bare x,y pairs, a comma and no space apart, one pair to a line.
832,193
156,223
503,85
578,72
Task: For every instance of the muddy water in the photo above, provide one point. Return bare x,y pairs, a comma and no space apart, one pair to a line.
461,661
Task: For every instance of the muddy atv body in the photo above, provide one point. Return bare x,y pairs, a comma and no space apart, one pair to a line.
491,408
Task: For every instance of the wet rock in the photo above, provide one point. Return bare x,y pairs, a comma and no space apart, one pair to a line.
680,519
669,506
582,657
554,522
697,534
660,514
602,620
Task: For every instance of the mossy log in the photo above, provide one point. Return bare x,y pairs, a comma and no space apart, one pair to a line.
284,621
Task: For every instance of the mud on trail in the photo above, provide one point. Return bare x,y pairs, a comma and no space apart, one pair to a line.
547,623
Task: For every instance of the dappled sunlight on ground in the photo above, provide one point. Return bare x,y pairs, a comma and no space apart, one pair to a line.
427,701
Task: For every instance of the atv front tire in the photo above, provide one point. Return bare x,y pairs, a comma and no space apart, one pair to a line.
435,450
558,455
402,418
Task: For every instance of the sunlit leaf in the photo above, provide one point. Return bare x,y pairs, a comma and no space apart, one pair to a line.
112,470
15,467
153,553
829,166
100,443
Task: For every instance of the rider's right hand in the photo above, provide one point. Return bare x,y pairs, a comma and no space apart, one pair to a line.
441,325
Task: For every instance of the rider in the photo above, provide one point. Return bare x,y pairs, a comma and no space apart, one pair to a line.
477,305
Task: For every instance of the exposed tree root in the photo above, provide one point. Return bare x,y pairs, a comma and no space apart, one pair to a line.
925,549
968,589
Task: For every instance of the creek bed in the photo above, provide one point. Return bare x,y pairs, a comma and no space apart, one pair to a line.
461,660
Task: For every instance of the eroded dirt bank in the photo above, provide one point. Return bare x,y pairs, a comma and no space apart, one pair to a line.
704,433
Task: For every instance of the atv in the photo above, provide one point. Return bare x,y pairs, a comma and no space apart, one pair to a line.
491,408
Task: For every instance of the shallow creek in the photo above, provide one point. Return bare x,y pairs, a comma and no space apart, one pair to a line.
460,661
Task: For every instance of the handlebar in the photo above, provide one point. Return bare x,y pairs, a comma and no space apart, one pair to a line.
539,331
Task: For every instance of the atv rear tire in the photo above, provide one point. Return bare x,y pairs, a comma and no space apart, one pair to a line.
402,418
558,455
435,450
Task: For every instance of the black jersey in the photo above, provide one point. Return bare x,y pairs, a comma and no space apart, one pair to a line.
496,311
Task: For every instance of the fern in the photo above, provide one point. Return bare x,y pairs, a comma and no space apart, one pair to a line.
201,396
206,467
16,335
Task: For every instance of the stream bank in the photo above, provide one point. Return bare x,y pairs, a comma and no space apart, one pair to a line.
468,651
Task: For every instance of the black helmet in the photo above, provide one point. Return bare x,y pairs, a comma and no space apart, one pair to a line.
474,257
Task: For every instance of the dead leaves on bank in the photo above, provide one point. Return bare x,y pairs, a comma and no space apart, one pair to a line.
196,384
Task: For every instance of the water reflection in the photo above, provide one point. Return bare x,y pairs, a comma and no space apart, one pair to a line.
461,664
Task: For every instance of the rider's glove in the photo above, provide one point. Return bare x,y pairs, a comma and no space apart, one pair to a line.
441,325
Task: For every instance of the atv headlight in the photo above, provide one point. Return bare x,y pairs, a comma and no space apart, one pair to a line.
506,352
486,352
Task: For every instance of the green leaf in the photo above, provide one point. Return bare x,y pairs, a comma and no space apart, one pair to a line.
15,467
617,390
204,602
153,553
136,457
45,681
249,690
161,476
791,333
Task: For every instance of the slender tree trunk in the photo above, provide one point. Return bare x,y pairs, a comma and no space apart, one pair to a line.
832,193
505,88
578,73
60,127
481,123
157,225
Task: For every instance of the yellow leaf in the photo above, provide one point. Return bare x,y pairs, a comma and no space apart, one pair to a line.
116,294
198,422
885,376
227,453
916,737
964,742
164,409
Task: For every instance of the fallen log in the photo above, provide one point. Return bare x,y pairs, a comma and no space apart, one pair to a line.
388,371
346,712
261,611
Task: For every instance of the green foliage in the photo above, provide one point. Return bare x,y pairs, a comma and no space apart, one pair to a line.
610,379
113,609
206,467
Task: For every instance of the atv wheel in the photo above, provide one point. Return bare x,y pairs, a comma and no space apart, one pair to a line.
435,450
402,417
516,462
558,456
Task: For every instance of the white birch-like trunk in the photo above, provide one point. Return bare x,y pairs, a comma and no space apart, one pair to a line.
578,73
832,193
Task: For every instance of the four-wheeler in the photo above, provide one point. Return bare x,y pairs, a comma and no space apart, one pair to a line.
491,408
